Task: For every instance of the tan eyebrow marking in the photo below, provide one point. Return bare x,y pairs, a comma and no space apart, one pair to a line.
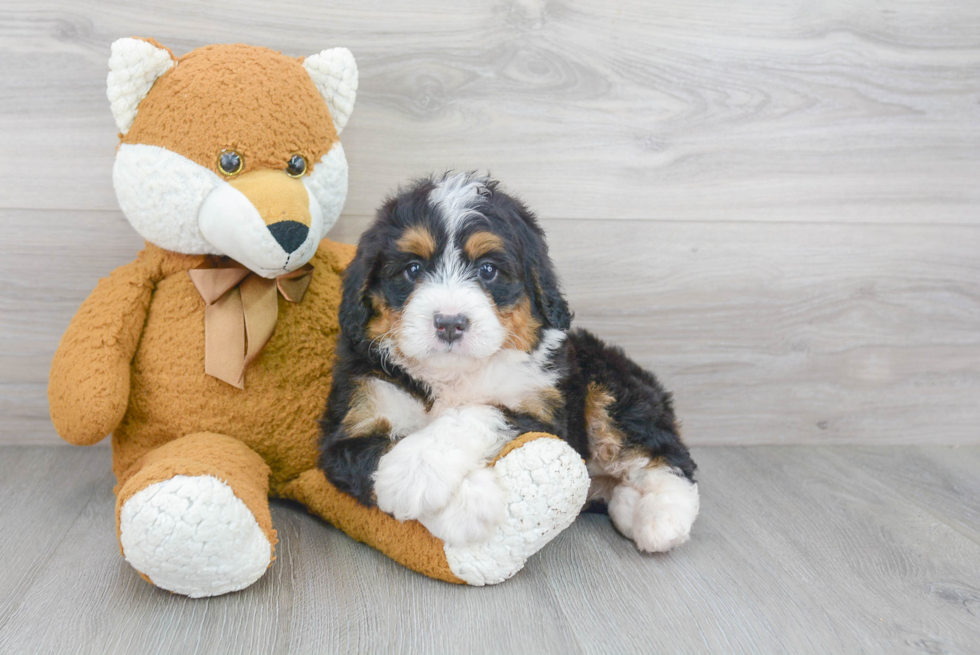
481,243
417,241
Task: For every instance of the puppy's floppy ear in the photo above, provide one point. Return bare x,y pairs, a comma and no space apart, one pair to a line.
355,307
542,280
548,295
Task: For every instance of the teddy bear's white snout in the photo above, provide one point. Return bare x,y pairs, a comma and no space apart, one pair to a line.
230,222
182,206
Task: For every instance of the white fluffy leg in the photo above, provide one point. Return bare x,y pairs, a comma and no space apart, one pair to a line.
193,536
420,475
477,506
658,515
622,507
417,477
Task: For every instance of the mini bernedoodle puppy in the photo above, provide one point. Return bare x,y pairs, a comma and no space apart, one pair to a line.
454,340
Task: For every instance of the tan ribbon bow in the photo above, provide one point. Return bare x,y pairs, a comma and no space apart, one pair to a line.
239,303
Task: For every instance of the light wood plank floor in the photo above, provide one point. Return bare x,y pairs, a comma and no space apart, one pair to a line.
798,549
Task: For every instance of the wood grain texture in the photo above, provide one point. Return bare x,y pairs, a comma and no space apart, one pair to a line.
772,204
797,549
766,332
705,110
45,493
820,557
940,481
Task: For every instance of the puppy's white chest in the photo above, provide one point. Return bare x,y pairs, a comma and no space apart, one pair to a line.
507,379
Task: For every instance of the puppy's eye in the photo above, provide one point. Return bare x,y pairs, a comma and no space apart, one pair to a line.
488,272
412,271
296,166
230,162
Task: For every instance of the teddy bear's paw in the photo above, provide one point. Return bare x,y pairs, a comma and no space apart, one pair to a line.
476,508
544,484
193,536
659,517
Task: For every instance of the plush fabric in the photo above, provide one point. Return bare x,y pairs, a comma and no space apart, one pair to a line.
134,66
247,99
170,396
335,75
196,458
221,488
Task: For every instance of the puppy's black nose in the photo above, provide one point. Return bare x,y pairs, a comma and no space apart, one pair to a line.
451,328
289,234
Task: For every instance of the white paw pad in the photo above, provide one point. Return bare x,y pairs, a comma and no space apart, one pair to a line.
544,484
193,536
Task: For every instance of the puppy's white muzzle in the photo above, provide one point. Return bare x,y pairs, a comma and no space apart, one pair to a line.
420,337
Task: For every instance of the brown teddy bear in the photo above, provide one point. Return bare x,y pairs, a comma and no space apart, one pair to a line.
208,358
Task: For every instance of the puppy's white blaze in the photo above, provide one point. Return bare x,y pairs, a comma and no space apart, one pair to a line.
231,223
152,183
327,181
454,196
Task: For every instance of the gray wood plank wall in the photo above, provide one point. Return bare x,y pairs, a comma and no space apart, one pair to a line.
773,204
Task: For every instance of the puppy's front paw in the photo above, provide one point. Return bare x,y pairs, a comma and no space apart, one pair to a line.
476,508
413,480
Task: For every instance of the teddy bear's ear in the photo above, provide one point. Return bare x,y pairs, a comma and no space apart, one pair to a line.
134,65
334,72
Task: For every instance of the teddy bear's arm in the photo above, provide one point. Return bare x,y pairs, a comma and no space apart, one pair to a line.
88,389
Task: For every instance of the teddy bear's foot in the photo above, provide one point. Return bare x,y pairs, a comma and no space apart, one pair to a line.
193,516
545,483
193,536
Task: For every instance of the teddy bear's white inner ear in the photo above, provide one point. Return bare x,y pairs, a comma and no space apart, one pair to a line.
134,66
334,72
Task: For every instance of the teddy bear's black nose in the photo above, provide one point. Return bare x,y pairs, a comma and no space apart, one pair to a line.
289,234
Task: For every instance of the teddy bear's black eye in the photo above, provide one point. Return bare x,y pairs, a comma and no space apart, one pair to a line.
296,166
230,162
